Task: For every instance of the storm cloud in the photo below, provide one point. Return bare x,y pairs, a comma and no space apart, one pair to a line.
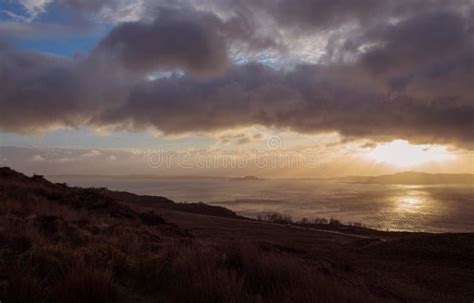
307,99
38,91
173,40
389,70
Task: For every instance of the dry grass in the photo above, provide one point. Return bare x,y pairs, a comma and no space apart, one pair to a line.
70,245
59,244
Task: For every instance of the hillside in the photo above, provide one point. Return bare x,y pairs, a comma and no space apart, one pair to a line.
63,244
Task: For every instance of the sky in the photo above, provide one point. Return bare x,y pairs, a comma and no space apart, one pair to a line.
272,88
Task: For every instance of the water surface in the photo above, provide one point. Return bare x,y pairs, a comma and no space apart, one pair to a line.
435,208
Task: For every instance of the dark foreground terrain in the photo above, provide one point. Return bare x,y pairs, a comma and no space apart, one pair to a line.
63,244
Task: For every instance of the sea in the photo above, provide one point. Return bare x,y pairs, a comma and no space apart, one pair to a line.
421,208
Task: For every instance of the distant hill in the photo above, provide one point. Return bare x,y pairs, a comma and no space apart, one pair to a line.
246,178
413,178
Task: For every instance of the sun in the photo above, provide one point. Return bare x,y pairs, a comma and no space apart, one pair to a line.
403,154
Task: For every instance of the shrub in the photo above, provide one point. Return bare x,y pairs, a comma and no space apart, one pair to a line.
335,222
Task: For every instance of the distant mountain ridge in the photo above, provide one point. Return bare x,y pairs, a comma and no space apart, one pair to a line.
413,178
407,177
246,178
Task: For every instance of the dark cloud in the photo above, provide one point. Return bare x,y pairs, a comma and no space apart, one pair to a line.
37,91
173,40
41,91
404,70
305,100
429,56
182,38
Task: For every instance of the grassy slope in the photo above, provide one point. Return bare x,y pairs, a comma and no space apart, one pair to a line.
61,244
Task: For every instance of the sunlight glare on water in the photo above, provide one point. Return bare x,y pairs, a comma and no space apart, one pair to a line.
411,202
440,208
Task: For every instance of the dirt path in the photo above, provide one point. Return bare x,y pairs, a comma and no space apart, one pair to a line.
255,222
